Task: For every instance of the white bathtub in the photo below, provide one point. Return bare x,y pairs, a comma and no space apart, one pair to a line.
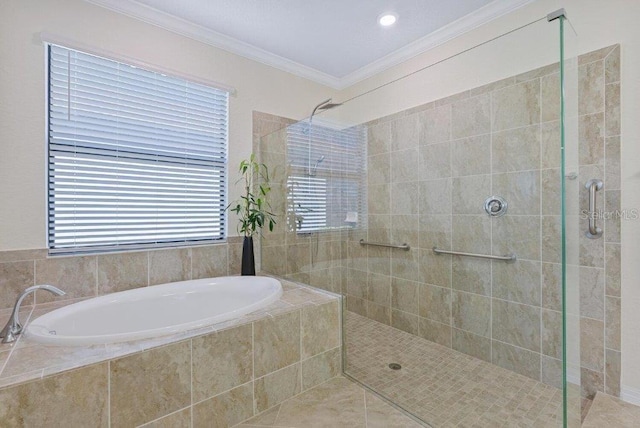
154,311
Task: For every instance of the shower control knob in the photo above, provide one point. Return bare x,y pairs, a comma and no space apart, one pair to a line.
495,206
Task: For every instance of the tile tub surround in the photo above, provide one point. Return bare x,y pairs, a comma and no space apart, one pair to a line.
85,276
224,373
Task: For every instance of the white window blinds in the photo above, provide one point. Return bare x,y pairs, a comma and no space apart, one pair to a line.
136,158
327,180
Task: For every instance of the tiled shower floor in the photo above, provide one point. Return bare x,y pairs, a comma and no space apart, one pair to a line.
444,387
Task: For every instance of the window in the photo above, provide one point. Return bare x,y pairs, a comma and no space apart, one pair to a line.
326,181
136,158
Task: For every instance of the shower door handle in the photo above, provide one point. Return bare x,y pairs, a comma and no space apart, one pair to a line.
594,231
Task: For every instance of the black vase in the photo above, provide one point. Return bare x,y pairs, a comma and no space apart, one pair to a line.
248,262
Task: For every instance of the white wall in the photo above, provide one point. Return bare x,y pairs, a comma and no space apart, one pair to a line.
598,24
22,95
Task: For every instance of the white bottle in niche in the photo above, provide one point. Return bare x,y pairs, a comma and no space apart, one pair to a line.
352,218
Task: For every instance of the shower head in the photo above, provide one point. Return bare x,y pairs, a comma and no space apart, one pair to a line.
324,105
313,170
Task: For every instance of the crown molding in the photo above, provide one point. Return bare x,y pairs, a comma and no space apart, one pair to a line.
444,34
197,32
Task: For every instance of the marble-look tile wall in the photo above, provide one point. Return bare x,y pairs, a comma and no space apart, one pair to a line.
97,275
430,170
217,379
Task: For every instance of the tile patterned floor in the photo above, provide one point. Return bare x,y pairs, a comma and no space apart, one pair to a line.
444,387
610,412
334,404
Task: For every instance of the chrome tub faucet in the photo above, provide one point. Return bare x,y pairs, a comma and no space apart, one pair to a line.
13,327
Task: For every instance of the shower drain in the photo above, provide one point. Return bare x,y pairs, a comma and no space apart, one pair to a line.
395,366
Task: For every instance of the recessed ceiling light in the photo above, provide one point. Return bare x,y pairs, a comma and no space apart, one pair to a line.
387,19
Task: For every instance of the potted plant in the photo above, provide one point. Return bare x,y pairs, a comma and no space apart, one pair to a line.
252,208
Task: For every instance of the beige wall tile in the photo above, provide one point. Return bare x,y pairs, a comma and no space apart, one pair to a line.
209,262
520,235
591,134
516,359
435,332
276,343
404,132
404,321
73,399
550,144
516,324
151,384
169,266
612,163
435,231
15,277
590,88
320,368
471,156
551,371
234,258
276,387
591,292
471,312
320,328
405,165
225,410
472,344
516,106
518,282
181,419
406,264
551,332
612,373
76,276
516,149
592,344
359,306
122,271
612,323
550,97
551,238
379,289
521,190
469,193
612,66
435,125
591,382
471,275
612,109
612,269
436,269
470,117
405,198
472,233
552,286
379,313
551,201
435,197
221,361
379,138
612,206
435,161
379,169
379,198
404,295
435,303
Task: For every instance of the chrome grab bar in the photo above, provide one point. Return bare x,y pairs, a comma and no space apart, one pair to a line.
506,258
403,246
594,231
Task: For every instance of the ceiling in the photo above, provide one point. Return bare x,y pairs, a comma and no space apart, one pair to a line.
334,42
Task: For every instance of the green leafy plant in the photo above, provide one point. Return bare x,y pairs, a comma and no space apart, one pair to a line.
253,208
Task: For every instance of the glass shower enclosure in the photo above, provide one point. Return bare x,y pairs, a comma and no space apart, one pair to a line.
450,228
